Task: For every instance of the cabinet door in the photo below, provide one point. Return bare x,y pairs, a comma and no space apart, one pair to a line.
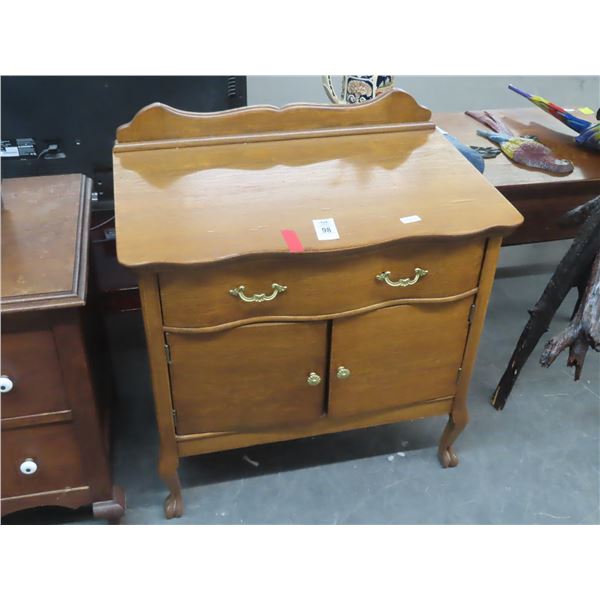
396,356
248,378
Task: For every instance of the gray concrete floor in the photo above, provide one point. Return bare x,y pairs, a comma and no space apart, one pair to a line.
538,461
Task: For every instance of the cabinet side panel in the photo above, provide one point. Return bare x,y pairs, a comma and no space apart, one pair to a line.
486,281
81,396
155,342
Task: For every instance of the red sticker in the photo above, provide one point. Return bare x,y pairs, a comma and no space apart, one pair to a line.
292,240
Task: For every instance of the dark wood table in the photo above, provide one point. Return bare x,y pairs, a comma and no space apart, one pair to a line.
540,197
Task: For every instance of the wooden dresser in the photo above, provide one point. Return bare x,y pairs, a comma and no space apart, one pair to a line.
304,270
54,446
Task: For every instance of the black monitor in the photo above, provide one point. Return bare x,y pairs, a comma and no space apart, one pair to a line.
66,124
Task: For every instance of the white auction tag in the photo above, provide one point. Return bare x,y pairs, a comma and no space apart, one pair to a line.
326,229
411,219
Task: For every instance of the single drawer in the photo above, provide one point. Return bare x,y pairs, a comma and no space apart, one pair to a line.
31,377
318,285
40,459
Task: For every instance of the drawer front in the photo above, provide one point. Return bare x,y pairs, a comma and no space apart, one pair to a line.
32,379
408,354
318,284
40,459
249,378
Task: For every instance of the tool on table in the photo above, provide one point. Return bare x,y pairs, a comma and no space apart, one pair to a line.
486,151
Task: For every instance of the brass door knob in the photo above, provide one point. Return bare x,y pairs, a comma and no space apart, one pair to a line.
313,379
343,373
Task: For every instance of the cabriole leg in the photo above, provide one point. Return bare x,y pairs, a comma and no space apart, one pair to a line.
454,427
168,472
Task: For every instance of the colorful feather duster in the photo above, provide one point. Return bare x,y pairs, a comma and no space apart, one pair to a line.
589,133
522,150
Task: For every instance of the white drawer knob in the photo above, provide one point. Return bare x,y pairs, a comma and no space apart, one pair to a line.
28,466
5,384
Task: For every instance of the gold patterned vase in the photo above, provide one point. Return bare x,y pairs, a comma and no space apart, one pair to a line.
358,88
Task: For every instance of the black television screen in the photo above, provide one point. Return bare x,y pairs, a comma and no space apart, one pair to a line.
66,124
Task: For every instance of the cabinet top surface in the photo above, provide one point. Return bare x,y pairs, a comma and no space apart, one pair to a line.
193,203
44,242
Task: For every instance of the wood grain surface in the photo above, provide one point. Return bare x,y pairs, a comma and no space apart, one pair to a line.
249,378
317,285
198,216
55,450
189,445
30,360
45,222
501,171
53,414
396,356
196,205
161,122
541,197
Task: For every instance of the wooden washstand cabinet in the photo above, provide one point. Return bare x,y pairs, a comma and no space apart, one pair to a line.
304,270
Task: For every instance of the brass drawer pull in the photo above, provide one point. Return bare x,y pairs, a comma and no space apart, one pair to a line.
313,379
343,373
385,276
239,292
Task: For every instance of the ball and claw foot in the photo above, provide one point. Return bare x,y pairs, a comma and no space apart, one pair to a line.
173,506
448,457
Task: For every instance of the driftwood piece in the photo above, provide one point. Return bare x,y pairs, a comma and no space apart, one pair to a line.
577,215
583,331
570,271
